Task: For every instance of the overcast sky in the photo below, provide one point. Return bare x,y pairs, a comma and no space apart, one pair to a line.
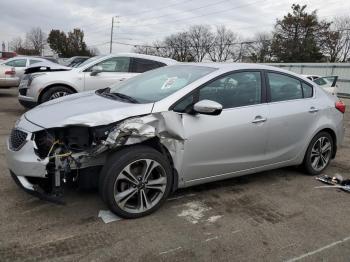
142,21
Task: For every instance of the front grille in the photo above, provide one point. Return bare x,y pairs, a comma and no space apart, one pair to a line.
17,139
22,91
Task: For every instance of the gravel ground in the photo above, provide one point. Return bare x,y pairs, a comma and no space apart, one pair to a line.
271,216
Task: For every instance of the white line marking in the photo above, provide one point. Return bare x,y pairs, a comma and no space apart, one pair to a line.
319,250
170,250
210,239
234,232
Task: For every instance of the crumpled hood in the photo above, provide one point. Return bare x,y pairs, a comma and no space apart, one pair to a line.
87,109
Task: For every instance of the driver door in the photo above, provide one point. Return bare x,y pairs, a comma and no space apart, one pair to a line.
230,142
113,70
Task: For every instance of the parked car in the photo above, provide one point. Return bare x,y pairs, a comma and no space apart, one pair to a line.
328,83
6,55
75,61
8,77
175,127
51,59
95,73
23,62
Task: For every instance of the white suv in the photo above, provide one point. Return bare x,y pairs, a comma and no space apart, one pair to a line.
95,73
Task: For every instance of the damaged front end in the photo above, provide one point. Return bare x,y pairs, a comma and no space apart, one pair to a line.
75,154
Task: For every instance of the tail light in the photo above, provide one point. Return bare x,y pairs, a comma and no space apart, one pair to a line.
11,72
340,106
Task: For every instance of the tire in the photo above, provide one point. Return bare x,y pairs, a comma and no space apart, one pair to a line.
55,92
313,163
125,186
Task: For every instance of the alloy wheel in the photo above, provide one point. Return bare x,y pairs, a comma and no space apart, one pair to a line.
140,186
58,94
321,153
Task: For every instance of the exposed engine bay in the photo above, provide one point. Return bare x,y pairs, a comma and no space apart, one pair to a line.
77,153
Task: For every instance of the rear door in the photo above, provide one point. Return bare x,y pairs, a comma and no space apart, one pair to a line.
114,69
232,141
292,115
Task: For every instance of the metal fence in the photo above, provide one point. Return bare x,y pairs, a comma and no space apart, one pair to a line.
342,70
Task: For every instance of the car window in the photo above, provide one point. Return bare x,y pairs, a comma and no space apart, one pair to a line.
142,65
283,87
114,64
321,81
33,61
17,63
234,90
307,90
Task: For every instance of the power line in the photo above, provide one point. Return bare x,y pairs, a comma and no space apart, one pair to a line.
202,15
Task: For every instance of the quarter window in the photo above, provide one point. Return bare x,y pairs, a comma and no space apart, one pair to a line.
307,90
283,87
142,65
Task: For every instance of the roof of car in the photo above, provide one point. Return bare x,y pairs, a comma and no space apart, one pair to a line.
238,66
167,61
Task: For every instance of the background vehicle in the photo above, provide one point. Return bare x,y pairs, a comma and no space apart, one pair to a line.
6,55
328,83
95,73
23,62
8,77
75,61
174,127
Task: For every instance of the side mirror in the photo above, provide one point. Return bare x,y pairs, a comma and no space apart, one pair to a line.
95,70
207,107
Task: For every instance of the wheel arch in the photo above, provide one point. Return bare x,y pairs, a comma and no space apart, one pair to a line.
331,132
334,137
53,85
156,144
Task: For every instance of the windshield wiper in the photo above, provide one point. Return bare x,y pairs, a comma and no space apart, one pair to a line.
121,96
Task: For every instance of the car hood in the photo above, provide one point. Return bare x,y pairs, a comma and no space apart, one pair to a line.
88,109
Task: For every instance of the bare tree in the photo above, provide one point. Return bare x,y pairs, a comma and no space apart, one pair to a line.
337,40
200,40
16,44
342,24
36,39
259,48
179,47
224,46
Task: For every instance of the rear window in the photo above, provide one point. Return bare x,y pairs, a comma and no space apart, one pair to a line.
143,65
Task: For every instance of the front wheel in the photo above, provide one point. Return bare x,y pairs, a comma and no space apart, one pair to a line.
135,181
55,92
319,153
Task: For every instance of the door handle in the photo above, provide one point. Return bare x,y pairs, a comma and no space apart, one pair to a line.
313,109
122,79
259,119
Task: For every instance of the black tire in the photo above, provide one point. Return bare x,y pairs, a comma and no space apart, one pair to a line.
51,91
112,171
307,164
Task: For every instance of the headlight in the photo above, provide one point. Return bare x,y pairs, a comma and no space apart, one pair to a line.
32,76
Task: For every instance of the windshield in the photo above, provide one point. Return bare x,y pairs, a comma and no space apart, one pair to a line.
88,61
157,84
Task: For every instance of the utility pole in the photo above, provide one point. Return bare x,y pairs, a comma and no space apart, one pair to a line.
112,27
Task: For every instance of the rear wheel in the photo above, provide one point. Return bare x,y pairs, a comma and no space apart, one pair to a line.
55,92
319,153
135,181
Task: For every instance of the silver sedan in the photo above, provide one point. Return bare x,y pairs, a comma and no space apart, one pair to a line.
175,127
